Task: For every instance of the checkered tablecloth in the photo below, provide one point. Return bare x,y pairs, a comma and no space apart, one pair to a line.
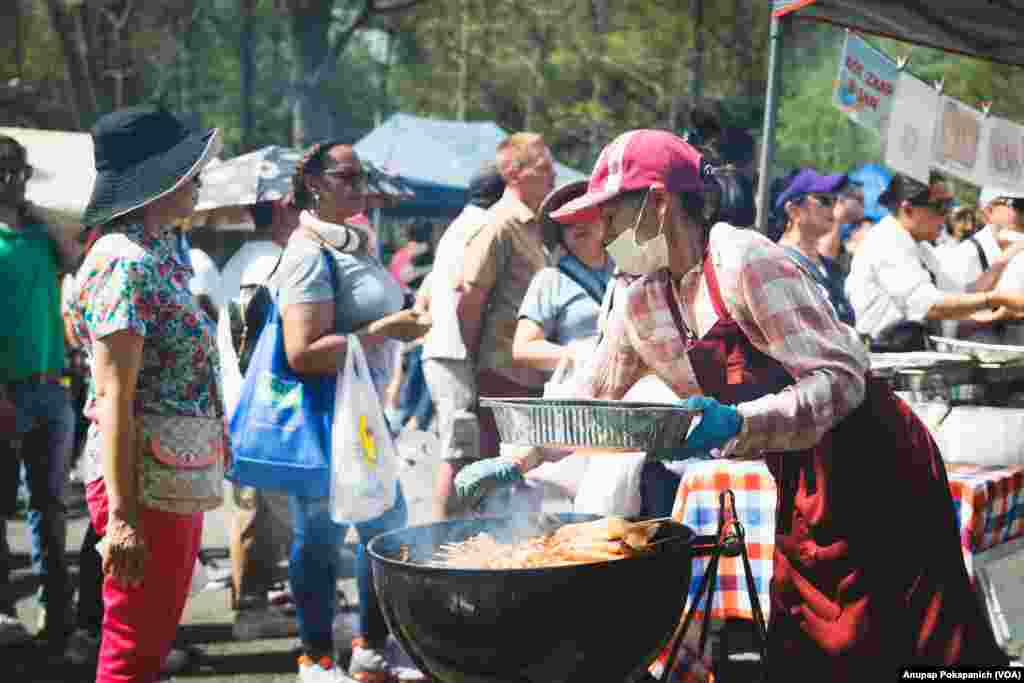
696,506
989,503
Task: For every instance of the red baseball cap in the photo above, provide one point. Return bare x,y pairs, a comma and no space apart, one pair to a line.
638,160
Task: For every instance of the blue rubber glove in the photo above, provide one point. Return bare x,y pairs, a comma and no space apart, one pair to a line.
718,424
484,477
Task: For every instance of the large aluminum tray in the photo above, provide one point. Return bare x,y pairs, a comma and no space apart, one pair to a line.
572,423
986,353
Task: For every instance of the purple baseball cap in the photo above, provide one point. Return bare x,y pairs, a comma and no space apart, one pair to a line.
809,181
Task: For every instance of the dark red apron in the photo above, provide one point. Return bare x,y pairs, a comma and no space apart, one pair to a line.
868,573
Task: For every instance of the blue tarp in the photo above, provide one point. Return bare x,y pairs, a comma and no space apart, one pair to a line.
437,158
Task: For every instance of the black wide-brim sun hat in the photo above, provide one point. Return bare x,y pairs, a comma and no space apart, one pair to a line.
141,155
551,230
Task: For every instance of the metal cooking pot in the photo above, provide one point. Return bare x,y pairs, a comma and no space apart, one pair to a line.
604,621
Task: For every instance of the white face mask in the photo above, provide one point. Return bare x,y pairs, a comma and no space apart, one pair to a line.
639,259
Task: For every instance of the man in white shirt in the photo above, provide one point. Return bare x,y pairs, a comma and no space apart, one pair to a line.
252,263
447,366
991,248
897,285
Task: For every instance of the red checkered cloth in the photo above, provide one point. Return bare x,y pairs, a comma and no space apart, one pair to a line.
989,505
697,505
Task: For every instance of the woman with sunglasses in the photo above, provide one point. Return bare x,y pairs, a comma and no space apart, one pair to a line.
808,206
154,367
898,286
868,573
321,303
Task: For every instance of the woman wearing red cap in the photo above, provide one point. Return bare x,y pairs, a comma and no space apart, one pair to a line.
868,573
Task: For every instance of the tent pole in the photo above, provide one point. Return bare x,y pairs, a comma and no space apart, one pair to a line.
771,110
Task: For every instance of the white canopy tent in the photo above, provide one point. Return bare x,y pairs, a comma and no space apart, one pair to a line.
64,170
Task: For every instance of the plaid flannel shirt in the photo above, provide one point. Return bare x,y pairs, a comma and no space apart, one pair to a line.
780,309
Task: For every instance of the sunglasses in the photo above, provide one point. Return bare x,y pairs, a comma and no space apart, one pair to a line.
942,206
824,200
20,175
355,178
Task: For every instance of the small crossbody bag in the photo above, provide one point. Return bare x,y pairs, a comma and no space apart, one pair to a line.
181,462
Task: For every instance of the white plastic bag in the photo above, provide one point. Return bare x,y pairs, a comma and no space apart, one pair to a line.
364,460
230,374
560,385
611,485
563,381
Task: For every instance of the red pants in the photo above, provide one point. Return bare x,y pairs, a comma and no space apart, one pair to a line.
139,622
491,384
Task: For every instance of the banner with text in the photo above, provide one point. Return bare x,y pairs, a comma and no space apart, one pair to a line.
866,85
958,141
908,139
1001,157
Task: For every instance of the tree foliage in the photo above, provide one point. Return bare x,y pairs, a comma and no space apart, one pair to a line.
578,71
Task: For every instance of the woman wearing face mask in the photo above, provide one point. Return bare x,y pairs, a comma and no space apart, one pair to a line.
868,572
558,324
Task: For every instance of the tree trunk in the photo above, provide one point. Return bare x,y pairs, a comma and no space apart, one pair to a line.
697,64
600,11
66,26
248,72
462,94
310,41
744,46
19,42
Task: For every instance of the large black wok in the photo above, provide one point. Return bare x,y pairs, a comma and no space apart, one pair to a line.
595,622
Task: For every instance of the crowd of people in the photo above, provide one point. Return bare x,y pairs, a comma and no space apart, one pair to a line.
644,283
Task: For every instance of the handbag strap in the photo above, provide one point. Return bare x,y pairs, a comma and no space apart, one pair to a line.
981,253
577,271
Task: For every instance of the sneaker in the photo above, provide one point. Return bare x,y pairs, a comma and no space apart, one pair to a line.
369,664
83,647
402,665
381,664
12,631
267,621
320,670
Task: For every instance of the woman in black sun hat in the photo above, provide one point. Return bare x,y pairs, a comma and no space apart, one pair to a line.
154,393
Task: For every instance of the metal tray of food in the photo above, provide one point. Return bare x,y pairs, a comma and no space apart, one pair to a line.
985,353
572,423
891,364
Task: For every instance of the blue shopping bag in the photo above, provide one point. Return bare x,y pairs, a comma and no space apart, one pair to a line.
280,428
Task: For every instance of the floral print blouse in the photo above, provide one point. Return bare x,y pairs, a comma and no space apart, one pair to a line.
133,280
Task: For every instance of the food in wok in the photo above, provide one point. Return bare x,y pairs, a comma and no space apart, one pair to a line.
609,538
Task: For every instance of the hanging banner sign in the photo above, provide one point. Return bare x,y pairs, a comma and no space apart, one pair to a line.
866,85
958,141
1001,154
908,139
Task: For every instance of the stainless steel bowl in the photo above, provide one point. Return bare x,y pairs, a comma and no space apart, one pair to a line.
573,423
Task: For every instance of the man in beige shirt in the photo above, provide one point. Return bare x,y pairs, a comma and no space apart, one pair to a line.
501,258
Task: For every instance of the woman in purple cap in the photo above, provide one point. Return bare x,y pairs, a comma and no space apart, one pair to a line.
808,206
868,573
